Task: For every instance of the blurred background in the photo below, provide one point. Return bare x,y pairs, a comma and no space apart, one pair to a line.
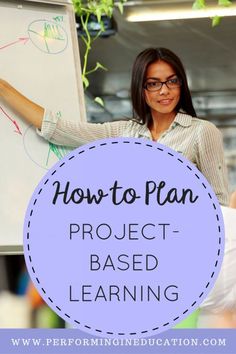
208,54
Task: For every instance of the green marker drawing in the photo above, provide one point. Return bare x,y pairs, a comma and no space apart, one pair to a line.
52,31
58,18
48,36
59,151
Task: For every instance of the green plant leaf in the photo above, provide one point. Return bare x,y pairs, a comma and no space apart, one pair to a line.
215,21
85,82
199,4
100,66
99,100
84,8
120,7
108,7
78,6
102,26
224,3
98,13
92,5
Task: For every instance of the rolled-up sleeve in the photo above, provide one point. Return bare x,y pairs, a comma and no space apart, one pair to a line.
73,134
211,160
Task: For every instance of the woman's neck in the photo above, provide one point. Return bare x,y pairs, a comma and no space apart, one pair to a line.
161,122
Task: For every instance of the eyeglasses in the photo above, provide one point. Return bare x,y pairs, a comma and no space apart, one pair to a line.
155,85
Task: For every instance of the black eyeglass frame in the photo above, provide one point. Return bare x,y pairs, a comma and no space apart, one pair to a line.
163,83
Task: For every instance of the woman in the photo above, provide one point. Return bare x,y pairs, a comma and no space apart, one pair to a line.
162,111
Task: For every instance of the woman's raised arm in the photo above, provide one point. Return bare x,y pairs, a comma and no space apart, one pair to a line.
28,110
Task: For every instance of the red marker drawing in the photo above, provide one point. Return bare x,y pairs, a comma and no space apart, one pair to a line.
22,40
18,131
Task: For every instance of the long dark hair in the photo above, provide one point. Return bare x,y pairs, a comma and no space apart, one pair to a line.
141,110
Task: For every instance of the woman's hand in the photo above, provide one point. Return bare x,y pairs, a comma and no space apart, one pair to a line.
28,110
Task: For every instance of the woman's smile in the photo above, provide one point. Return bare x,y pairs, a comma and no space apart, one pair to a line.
165,101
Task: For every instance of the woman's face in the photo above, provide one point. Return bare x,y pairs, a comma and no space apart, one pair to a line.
165,99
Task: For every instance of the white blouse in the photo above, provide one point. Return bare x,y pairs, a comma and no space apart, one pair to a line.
198,140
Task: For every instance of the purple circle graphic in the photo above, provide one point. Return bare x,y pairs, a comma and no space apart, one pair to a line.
123,238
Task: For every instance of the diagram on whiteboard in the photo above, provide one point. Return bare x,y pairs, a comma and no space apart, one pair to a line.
11,120
39,57
41,153
44,156
22,40
48,36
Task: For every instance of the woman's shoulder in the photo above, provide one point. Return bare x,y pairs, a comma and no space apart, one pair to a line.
206,132
205,126
203,122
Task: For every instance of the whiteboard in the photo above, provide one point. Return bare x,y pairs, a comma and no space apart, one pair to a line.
39,56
